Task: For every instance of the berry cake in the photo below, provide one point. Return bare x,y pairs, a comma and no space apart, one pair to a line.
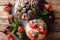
36,29
25,9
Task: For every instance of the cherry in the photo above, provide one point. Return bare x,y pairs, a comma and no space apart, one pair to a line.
7,27
4,31
9,4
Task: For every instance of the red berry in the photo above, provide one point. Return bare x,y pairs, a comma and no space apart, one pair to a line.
4,31
35,38
50,17
32,25
41,29
9,4
9,36
6,8
20,28
47,6
10,16
30,35
7,27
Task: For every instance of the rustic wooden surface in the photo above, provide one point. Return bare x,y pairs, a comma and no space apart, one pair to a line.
53,35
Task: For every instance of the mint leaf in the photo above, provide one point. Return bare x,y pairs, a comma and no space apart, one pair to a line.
18,33
14,30
13,24
16,21
45,12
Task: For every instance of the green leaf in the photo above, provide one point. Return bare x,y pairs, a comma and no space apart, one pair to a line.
14,30
18,33
15,21
45,12
11,39
13,24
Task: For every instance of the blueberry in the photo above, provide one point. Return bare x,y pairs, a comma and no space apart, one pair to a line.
25,14
23,5
24,10
27,6
26,1
29,11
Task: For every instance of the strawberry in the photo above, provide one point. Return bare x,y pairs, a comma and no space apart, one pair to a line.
41,30
9,5
10,16
6,8
32,25
47,6
30,33
35,38
9,36
20,28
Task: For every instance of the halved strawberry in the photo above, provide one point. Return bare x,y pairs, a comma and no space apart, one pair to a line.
20,28
9,36
32,24
10,16
35,38
41,30
47,6
30,35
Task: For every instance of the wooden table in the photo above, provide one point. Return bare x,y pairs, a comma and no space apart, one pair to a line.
55,32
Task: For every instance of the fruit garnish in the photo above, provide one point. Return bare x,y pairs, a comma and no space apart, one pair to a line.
41,30
50,17
10,16
4,31
47,6
9,36
20,28
32,24
9,4
6,8
32,35
7,27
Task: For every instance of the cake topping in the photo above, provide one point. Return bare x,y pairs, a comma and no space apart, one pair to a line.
47,6
20,28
